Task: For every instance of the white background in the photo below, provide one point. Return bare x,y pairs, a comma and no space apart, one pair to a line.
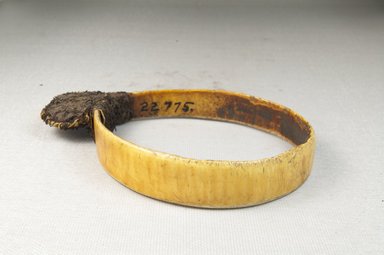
324,59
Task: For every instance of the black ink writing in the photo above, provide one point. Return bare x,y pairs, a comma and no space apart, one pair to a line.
154,107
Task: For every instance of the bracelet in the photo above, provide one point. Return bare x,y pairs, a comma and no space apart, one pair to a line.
181,180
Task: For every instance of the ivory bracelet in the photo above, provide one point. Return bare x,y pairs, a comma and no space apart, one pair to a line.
181,180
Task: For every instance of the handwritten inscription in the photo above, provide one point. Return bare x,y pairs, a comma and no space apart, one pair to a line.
167,106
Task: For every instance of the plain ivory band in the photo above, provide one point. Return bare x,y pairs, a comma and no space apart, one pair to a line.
209,183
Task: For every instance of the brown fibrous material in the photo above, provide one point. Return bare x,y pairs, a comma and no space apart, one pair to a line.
74,110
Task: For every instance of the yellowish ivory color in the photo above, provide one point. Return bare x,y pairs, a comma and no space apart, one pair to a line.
209,183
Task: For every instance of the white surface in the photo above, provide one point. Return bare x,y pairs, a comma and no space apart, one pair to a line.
324,61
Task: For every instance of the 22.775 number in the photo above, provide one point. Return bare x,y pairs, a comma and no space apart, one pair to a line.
167,106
